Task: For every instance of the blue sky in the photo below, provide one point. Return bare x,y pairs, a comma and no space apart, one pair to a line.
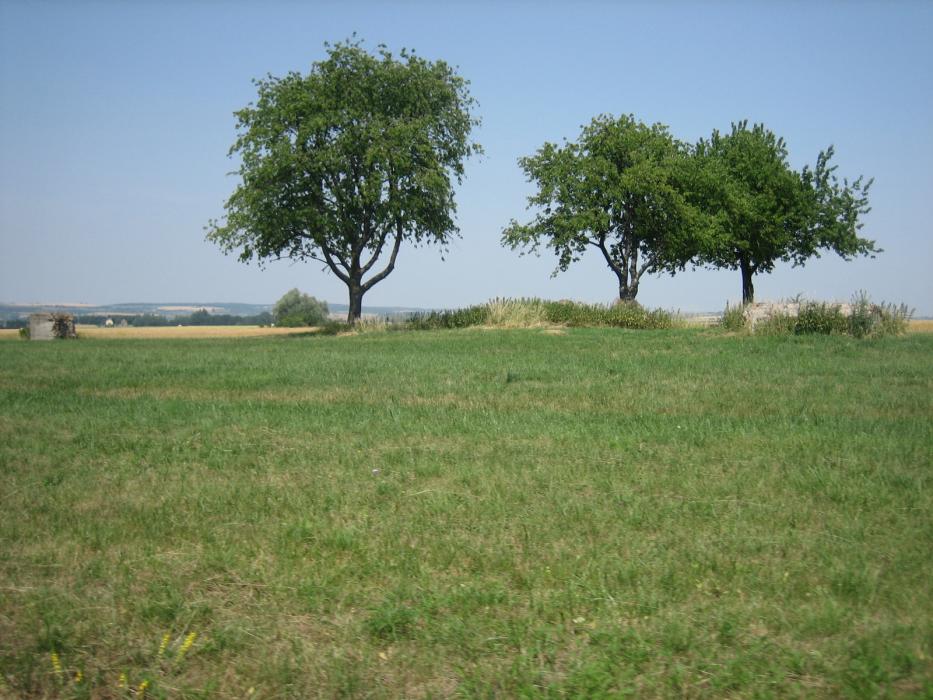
116,118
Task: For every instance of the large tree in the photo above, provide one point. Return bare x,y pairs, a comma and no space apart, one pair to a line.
345,163
620,188
765,211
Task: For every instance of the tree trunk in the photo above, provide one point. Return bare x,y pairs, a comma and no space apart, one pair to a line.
628,292
356,302
748,288
626,272
633,276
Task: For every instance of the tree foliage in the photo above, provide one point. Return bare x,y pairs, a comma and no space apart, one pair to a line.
620,188
297,309
345,163
764,211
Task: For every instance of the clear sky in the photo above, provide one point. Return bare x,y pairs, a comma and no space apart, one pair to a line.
116,118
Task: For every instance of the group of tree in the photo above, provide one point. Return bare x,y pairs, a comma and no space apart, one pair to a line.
344,164
650,203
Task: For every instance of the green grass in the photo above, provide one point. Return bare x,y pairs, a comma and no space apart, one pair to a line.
580,513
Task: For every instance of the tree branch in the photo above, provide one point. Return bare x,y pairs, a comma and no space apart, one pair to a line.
343,277
601,244
391,266
376,253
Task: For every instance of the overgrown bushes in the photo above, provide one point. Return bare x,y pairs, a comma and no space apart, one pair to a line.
619,315
866,319
733,318
454,318
524,313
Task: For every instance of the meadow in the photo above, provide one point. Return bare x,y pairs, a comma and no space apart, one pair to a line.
470,513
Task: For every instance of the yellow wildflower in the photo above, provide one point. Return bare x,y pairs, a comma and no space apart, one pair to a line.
78,676
186,645
141,690
164,645
121,681
56,663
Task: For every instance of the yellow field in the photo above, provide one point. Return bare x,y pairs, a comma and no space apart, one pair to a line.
923,325
173,332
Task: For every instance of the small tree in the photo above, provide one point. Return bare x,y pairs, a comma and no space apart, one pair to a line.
347,162
297,309
620,189
764,211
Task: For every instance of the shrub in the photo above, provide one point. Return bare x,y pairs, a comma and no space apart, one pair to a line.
331,327
777,324
455,318
892,319
525,313
634,315
370,325
822,318
619,315
865,320
295,309
24,332
291,321
516,313
861,321
877,320
733,318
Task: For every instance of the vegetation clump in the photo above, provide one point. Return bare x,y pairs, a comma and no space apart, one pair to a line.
733,318
622,314
531,312
881,319
295,309
864,320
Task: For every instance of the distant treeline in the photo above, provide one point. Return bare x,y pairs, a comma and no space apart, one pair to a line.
201,317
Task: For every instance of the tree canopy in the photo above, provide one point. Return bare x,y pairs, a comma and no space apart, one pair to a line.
764,211
620,188
345,163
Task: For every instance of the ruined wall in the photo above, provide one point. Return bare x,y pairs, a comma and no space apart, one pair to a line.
51,326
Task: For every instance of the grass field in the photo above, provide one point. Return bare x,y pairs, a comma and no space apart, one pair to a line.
590,513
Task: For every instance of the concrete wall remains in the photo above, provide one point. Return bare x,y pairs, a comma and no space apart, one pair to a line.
758,312
51,326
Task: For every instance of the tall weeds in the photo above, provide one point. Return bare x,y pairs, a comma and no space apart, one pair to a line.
531,312
866,319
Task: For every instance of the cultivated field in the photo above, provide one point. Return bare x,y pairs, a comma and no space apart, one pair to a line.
921,325
473,513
